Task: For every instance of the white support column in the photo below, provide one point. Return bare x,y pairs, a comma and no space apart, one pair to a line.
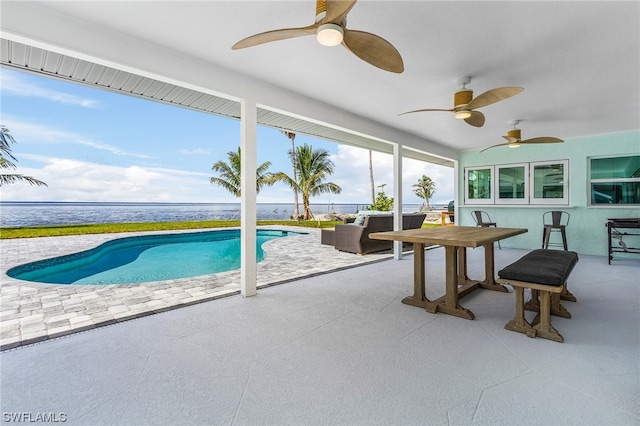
456,193
248,164
397,194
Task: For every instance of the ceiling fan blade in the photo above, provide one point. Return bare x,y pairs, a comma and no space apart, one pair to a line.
374,50
275,35
492,96
543,139
337,11
476,119
493,146
426,110
510,139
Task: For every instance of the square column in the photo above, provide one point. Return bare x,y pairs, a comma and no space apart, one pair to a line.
248,197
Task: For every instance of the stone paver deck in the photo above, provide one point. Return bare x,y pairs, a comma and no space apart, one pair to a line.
31,312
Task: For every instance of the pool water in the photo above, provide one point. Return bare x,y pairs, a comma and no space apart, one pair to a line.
146,258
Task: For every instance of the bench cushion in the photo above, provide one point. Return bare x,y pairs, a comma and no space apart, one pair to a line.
549,267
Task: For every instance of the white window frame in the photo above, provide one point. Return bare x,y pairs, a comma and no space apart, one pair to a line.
564,200
526,185
467,198
591,181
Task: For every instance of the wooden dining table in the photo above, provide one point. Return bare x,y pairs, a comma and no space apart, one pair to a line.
455,240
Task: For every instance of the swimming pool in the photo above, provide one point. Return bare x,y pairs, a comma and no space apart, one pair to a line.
146,258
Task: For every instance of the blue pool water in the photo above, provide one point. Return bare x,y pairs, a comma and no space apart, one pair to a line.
146,258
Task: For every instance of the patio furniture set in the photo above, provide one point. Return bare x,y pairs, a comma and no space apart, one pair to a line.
542,271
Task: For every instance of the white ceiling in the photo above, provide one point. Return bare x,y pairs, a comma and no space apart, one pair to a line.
579,62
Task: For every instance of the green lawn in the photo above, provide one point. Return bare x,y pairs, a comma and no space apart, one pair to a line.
107,228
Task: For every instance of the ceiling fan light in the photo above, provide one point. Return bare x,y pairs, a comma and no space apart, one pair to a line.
329,34
461,115
514,145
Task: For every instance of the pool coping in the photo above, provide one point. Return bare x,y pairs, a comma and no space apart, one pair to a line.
32,313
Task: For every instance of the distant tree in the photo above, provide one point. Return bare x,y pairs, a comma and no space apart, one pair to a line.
425,189
382,202
313,166
229,174
5,162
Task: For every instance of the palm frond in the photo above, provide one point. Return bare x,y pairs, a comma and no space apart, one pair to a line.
230,177
7,179
5,151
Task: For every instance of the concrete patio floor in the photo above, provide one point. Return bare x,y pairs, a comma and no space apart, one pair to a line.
340,348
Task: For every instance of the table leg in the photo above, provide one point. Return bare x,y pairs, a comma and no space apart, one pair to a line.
489,282
419,297
463,278
465,284
450,303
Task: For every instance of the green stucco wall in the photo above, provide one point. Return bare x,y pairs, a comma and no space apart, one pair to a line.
586,233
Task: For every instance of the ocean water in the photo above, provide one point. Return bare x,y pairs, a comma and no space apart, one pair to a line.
16,214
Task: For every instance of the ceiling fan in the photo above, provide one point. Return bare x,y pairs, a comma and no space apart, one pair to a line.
464,104
330,29
514,138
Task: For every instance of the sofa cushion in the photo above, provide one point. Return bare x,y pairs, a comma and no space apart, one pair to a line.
362,214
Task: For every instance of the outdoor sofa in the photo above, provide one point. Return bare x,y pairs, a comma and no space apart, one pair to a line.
354,237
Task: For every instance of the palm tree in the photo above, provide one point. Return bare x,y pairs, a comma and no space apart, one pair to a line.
425,188
292,136
313,166
5,161
229,173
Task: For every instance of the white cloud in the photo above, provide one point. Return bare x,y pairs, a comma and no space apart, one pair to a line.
34,133
352,174
25,132
73,180
14,83
197,151
112,149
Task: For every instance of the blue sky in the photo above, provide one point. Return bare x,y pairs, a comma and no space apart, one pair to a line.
89,144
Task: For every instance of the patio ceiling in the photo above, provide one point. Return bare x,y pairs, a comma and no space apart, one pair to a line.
579,63
28,58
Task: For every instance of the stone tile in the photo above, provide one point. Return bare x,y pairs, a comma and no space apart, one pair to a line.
79,319
118,310
33,327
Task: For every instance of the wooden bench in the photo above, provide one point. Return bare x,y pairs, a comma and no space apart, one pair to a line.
545,273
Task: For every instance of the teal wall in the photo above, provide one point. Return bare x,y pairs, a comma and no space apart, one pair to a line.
586,233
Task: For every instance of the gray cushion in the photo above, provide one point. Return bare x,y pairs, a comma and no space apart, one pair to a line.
362,215
549,267
359,220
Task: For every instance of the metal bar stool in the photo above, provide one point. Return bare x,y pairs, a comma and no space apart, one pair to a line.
483,219
555,221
